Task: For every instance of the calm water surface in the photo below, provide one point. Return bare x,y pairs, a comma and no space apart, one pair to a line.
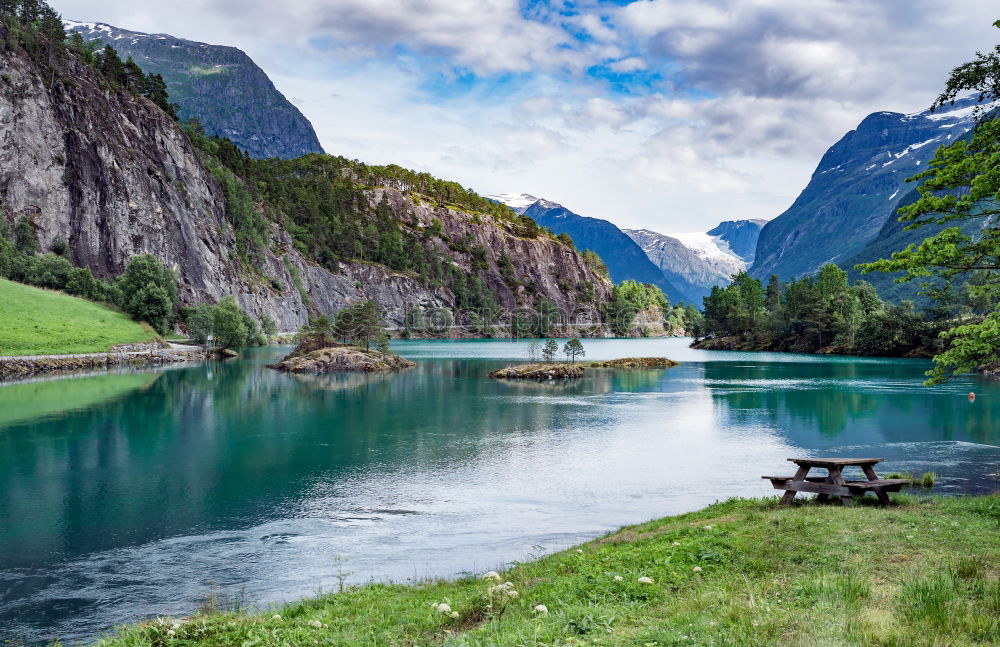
130,495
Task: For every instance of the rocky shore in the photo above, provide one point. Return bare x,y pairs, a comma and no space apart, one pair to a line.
340,359
18,368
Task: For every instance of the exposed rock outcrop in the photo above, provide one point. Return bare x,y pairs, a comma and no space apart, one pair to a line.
342,359
539,372
636,362
114,176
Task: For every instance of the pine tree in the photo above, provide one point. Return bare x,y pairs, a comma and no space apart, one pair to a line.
573,349
549,351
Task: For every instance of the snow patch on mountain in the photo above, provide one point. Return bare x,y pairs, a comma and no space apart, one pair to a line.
518,202
707,247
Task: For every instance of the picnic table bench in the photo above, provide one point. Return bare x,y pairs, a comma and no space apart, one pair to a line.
834,484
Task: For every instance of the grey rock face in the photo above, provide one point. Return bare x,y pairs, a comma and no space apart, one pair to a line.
856,187
115,176
221,86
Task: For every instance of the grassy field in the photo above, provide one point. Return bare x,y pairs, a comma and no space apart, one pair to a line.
42,322
740,573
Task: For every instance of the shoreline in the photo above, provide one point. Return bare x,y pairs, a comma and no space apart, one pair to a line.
742,571
22,367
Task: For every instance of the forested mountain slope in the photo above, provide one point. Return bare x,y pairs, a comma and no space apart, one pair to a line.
91,163
221,86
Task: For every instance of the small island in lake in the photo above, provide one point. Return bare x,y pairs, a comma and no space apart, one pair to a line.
336,359
539,372
319,352
551,370
636,362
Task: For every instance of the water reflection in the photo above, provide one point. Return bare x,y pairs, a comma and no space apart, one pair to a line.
149,491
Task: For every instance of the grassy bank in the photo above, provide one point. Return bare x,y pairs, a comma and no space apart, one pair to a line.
921,573
42,322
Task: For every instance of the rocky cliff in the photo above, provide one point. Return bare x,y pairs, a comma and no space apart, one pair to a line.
221,86
855,189
114,176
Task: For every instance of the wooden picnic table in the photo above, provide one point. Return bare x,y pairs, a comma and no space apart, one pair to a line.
834,484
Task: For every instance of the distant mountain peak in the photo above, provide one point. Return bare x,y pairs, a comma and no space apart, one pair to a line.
856,188
219,85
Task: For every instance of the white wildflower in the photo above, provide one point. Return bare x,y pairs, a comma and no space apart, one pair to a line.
511,593
579,552
542,609
697,569
454,614
316,623
444,607
708,527
492,576
170,632
645,580
619,578
176,625
677,543
500,588
276,616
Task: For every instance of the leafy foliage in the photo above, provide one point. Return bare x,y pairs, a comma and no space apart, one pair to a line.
962,182
628,299
816,312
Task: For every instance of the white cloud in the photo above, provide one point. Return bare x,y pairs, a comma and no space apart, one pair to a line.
753,91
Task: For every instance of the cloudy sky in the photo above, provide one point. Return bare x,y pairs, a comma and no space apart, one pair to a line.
665,114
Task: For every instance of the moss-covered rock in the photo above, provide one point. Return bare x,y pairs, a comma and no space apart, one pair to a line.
539,372
342,359
636,362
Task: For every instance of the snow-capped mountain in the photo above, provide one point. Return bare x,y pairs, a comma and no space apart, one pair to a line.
856,189
624,258
518,202
697,260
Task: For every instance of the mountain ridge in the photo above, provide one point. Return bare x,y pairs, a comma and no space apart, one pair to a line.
856,187
219,85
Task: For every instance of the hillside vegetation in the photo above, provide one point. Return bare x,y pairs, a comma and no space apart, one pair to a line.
740,573
41,322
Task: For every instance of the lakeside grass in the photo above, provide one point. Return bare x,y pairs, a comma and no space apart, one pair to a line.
925,572
34,321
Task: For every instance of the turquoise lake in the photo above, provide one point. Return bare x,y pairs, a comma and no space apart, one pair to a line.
130,495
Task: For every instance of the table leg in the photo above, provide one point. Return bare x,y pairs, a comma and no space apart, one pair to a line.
883,497
837,477
800,475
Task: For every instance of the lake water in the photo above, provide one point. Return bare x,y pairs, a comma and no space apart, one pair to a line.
130,495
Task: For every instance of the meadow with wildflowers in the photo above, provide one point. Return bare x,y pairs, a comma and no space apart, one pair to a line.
924,572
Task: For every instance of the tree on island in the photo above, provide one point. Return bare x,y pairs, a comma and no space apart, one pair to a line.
549,351
962,182
360,323
534,350
574,349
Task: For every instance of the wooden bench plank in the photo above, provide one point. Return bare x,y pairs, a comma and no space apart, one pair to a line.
841,462
817,488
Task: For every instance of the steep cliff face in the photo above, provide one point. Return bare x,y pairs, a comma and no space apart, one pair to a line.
221,86
855,189
114,176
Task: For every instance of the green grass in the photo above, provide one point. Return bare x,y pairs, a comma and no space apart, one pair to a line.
925,572
42,322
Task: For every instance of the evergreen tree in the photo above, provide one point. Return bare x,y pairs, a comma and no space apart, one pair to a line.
573,349
549,351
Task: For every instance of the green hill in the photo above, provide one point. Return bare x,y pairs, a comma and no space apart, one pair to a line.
42,322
